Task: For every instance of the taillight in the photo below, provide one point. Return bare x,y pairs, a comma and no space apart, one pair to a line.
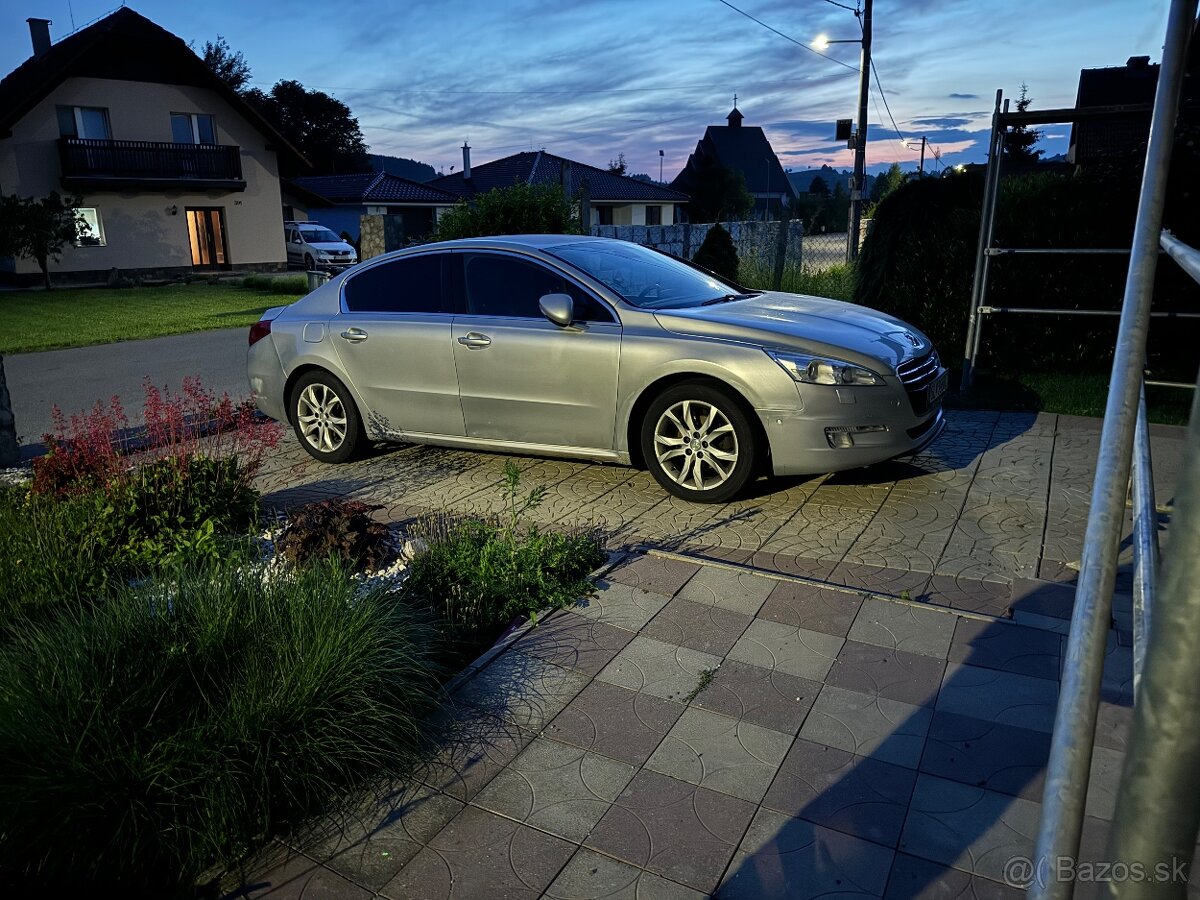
259,330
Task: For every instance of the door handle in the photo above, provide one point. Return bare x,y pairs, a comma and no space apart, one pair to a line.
354,335
474,340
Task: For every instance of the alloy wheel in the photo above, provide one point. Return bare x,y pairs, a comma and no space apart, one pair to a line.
696,445
322,417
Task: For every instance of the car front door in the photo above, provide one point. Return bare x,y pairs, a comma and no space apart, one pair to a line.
393,337
295,253
521,377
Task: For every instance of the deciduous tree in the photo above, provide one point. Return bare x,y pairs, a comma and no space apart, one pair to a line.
38,229
229,66
318,125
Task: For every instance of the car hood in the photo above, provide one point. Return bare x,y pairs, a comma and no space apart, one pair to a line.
813,325
332,245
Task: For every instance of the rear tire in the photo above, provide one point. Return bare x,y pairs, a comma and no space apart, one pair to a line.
698,443
325,418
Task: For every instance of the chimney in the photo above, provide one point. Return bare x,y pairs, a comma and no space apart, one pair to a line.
466,160
1138,62
39,33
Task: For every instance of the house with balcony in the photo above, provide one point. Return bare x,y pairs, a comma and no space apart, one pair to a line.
175,172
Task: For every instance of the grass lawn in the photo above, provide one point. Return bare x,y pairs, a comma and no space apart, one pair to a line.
1073,394
80,317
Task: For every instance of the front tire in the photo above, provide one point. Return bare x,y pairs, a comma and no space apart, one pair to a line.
698,443
325,418
309,263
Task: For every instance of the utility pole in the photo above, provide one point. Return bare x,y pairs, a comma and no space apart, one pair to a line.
860,145
921,171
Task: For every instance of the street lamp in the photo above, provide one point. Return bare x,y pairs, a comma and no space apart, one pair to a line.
854,225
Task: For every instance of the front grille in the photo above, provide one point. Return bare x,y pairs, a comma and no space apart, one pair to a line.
917,375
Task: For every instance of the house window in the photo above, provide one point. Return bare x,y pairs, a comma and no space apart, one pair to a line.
90,122
604,215
653,215
92,235
191,128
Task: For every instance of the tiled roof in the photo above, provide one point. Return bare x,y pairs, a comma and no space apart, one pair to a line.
124,46
375,187
546,168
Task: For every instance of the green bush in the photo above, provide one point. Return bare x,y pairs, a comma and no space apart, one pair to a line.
519,209
718,254
480,573
181,724
335,529
272,284
50,555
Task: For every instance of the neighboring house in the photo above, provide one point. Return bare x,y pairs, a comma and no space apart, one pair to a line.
176,172
614,199
743,149
347,198
1116,138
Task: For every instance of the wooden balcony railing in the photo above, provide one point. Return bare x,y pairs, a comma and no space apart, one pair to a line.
149,165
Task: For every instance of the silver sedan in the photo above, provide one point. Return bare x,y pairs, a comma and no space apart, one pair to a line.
594,349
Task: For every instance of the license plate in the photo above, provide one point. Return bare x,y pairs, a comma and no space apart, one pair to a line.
936,390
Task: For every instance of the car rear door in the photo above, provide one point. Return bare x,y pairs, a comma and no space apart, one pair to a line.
523,378
393,337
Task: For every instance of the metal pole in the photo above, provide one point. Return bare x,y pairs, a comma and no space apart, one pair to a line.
860,144
991,225
1145,540
921,170
980,251
1158,802
1075,721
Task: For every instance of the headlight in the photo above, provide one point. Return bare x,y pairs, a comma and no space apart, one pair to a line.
818,370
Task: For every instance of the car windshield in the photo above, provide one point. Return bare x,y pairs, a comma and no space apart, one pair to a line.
645,278
319,236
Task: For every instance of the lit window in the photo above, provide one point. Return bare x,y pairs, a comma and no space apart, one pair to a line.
91,233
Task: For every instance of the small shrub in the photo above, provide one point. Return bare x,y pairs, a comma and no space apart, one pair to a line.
718,254
517,209
84,452
181,725
269,284
342,530
480,573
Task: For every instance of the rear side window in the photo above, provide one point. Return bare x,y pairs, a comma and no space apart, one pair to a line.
409,285
503,286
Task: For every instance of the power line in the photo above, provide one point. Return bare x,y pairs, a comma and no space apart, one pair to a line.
787,37
853,9
879,88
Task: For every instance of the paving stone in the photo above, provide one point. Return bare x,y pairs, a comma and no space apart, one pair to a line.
654,574
1002,758
720,753
1046,598
895,674
883,729
902,626
989,596
1113,721
852,794
663,670
811,607
556,788
1010,648
766,697
370,844
523,690
1116,684
299,878
792,564
574,641
480,854
971,828
786,648
786,857
590,876
1103,783
711,629
679,830
920,879
474,748
741,592
880,579
996,696
621,605
615,722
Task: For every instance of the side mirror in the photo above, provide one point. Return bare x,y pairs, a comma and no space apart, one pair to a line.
558,308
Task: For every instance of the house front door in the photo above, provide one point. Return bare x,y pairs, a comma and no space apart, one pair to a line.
206,233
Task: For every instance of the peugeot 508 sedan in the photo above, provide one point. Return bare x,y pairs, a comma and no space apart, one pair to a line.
595,349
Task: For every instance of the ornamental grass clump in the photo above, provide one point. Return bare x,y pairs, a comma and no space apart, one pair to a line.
179,725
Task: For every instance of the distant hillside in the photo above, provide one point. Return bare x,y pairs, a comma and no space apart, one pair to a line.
405,168
802,180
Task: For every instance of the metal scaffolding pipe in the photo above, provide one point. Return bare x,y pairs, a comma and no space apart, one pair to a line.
1158,801
1145,539
1069,766
1188,258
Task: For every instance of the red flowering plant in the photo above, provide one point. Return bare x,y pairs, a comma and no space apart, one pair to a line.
84,452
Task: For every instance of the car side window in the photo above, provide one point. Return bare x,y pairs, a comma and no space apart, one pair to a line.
504,286
411,284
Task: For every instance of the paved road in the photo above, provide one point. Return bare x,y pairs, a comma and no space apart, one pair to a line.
76,379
